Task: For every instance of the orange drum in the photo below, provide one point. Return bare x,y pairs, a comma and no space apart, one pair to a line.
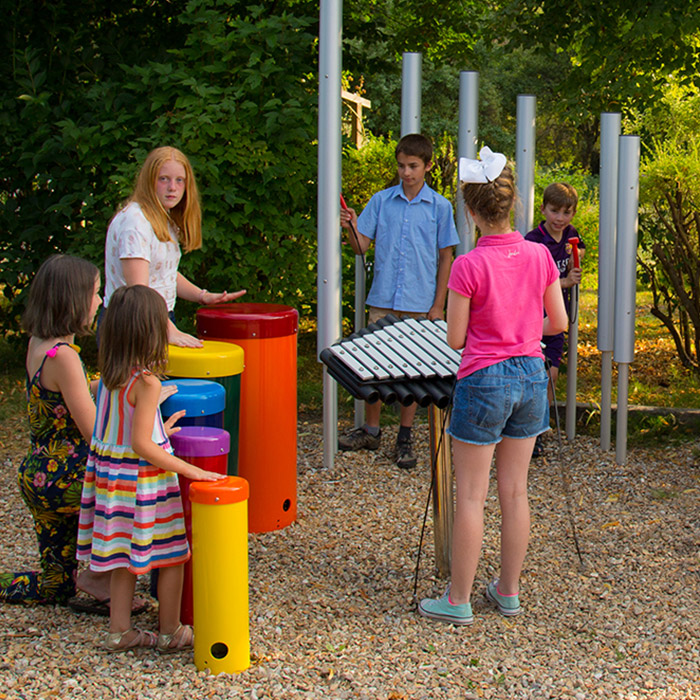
267,450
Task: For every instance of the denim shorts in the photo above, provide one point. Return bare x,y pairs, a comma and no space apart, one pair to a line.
508,399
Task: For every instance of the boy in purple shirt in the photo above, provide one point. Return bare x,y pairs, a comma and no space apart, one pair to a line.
414,233
559,201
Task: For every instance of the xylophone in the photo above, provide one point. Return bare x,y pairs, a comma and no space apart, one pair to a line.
394,359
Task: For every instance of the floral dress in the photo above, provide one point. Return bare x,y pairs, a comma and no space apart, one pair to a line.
51,480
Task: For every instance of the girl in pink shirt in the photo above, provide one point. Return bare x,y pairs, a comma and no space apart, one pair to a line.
494,314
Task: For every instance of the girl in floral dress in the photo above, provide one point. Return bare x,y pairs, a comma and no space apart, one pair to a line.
63,299
131,519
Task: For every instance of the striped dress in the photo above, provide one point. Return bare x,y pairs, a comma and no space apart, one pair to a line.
130,512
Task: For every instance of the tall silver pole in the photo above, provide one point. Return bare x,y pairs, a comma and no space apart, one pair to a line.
626,280
607,229
329,162
411,78
360,323
467,140
525,161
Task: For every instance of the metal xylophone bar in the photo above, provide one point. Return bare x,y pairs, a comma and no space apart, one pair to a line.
406,360
377,343
346,379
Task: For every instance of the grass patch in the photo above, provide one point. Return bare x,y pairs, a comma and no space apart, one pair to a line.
656,377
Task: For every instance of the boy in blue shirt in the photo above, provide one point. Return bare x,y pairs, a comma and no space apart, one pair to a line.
414,233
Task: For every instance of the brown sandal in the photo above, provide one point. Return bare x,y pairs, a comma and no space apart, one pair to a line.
179,640
115,641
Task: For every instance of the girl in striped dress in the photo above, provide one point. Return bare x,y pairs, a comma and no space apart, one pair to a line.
131,518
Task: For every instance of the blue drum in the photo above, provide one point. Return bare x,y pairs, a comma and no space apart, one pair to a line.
204,402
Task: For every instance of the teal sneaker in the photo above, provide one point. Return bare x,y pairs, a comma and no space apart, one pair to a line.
441,609
508,605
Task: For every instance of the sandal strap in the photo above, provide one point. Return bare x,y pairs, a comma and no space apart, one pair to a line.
115,640
165,641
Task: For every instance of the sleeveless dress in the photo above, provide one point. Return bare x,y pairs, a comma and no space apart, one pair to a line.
130,512
50,480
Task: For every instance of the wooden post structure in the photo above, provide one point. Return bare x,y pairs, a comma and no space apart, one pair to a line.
443,507
356,105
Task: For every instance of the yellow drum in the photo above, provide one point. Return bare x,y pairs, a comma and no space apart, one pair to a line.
222,363
220,574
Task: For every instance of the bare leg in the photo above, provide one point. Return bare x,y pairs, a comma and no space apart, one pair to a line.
372,413
512,463
408,413
121,588
95,584
472,466
170,580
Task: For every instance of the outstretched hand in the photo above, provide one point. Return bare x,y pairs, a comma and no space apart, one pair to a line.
169,425
221,297
166,391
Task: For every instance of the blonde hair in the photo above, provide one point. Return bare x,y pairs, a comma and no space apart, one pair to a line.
492,201
133,334
186,215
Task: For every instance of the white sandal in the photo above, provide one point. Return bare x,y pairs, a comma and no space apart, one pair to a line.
183,637
114,641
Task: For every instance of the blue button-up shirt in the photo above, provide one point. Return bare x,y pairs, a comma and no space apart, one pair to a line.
407,238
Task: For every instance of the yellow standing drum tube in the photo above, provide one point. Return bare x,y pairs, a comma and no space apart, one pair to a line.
220,574
222,363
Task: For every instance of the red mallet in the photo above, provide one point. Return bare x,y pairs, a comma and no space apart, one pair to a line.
574,250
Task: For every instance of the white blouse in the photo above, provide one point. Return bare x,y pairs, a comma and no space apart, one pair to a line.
130,235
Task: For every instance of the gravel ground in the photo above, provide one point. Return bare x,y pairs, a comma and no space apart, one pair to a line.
331,597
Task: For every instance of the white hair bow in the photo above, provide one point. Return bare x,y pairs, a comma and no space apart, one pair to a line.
487,169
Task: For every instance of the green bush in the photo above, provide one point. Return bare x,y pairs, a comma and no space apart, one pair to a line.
669,226
236,94
669,254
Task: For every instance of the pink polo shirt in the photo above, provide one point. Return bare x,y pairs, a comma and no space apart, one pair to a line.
505,277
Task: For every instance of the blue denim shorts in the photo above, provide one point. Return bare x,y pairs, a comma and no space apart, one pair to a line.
508,399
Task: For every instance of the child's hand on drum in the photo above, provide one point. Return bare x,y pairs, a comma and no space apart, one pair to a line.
197,474
169,425
166,391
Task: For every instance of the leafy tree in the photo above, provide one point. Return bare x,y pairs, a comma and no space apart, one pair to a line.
50,63
376,33
670,222
454,37
229,84
617,55
239,99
